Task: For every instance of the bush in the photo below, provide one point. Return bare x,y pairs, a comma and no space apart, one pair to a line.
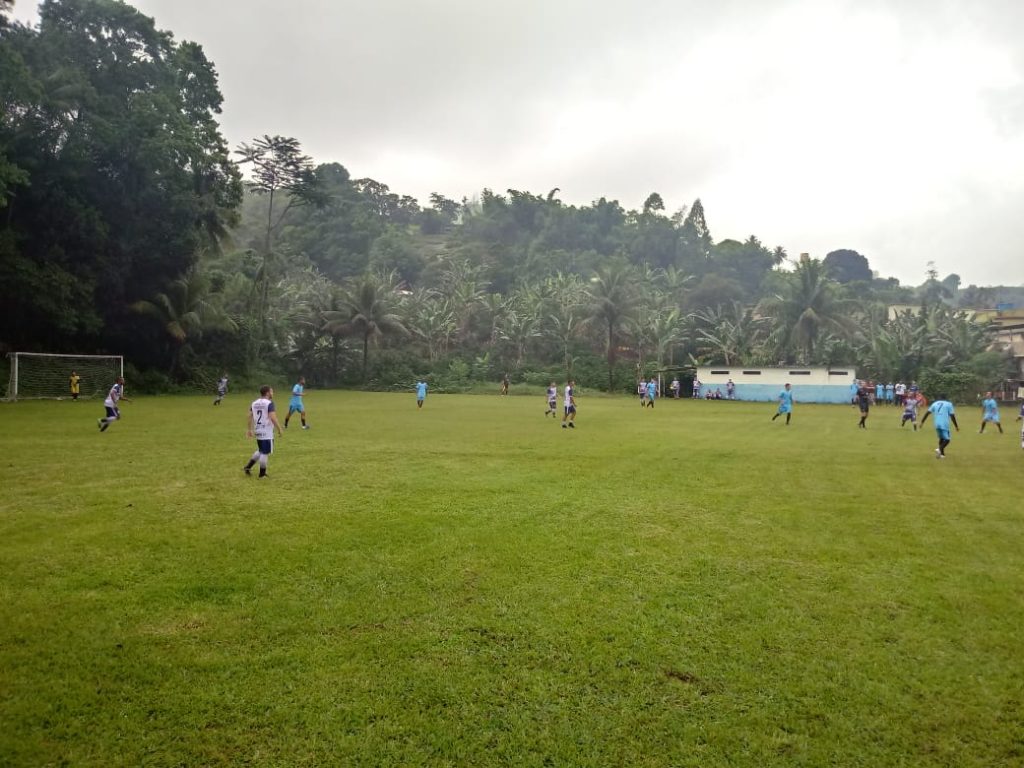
957,385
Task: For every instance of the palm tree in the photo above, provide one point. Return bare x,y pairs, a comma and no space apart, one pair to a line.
186,310
808,307
612,300
366,314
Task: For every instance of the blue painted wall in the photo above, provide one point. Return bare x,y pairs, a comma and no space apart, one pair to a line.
802,393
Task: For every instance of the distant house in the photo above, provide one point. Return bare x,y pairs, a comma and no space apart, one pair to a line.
1009,335
811,384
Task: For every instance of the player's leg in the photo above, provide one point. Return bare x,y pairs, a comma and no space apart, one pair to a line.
252,461
302,417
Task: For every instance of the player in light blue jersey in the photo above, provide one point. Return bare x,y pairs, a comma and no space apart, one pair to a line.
421,393
944,413
785,403
652,391
296,405
990,413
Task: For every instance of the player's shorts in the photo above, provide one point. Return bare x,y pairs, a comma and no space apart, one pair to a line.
942,433
112,413
909,416
265,447
993,417
552,404
570,409
296,407
864,407
785,408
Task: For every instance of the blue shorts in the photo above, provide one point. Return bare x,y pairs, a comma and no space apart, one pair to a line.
991,417
785,408
570,409
112,413
942,433
294,407
265,447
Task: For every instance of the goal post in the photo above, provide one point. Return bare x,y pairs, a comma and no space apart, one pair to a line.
36,375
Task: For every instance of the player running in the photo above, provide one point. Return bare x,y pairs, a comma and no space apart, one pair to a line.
570,406
295,405
944,413
652,392
262,423
421,393
990,413
863,401
115,396
910,403
552,396
222,388
785,403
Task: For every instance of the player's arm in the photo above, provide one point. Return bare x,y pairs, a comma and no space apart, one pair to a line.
925,417
274,421
249,426
952,417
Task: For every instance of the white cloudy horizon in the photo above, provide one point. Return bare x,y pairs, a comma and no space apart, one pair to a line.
812,124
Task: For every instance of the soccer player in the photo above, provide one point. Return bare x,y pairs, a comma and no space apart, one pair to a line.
696,387
262,423
421,393
295,405
675,388
864,404
74,380
910,403
730,390
990,413
222,388
569,417
652,392
944,413
115,396
552,401
504,384
785,403
641,389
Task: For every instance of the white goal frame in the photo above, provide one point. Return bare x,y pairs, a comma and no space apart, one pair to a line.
13,388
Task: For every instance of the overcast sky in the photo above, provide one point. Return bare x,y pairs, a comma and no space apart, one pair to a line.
893,128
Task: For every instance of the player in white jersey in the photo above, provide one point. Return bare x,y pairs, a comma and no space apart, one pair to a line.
262,423
552,396
569,417
222,388
115,396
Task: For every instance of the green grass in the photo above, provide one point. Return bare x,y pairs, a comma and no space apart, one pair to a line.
471,585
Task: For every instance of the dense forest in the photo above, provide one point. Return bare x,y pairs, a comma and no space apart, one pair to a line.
129,226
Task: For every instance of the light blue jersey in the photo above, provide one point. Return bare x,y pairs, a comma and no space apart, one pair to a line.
785,401
991,409
652,390
941,410
421,390
295,404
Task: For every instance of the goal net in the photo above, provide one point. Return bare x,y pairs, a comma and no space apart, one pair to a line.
36,376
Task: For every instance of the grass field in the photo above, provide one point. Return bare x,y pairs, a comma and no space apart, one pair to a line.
471,585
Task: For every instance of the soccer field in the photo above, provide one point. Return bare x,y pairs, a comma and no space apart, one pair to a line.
470,584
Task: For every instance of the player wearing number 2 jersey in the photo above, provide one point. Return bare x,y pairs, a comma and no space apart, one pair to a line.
262,423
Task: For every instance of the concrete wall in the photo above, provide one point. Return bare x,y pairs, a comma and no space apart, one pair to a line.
809,384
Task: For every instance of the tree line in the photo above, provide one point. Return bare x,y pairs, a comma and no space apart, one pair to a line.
127,227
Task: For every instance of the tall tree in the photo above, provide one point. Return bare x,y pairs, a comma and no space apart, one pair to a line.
367,314
612,295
